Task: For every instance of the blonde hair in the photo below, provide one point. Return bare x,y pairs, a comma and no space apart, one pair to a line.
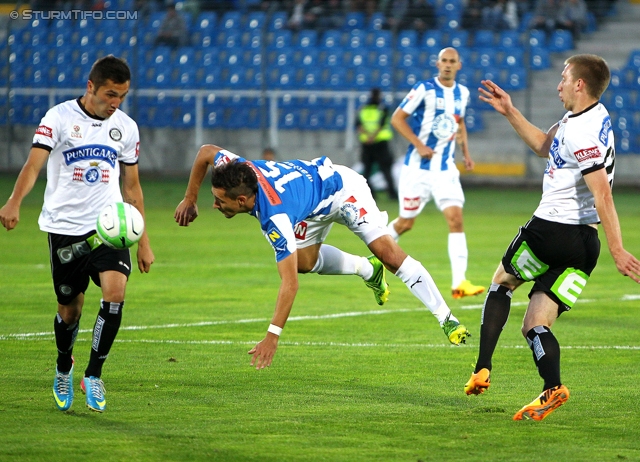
594,72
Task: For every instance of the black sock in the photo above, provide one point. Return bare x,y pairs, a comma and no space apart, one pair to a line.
65,338
546,355
494,317
104,334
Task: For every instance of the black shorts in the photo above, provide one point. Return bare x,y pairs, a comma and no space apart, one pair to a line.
73,263
559,258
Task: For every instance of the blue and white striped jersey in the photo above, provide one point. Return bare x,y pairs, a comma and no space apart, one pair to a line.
435,112
289,192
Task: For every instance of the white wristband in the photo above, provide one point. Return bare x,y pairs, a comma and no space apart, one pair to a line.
274,329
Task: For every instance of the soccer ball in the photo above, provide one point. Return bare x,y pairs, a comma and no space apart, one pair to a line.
119,225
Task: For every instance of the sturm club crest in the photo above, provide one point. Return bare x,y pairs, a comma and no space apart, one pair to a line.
115,134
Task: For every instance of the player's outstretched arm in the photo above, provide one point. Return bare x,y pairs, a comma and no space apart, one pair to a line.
264,351
132,193
536,139
187,209
10,212
598,184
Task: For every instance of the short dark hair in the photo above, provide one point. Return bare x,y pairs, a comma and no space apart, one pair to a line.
109,68
236,178
593,70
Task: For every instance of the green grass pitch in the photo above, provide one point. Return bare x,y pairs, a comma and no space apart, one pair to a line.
351,381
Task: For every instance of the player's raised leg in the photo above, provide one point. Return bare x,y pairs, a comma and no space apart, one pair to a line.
420,284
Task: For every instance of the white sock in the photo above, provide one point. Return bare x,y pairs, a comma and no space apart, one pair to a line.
420,283
332,260
393,231
458,256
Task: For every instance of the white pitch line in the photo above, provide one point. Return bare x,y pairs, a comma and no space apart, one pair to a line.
348,345
28,335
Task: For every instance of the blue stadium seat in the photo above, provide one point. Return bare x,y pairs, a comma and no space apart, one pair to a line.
432,39
467,76
483,38
184,56
407,39
331,38
473,121
334,78
308,79
256,20
356,42
515,79
537,38
484,57
254,41
282,58
160,56
540,59
335,119
357,59
561,40
307,57
382,78
332,57
229,39
376,21
380,39
354,20
634,59
458,38
208,78
231,20
278,21
207,21
623,99
512,57
280,79
307,38
509,39
289,119
29,110
254,59
281,39
450,16
381,60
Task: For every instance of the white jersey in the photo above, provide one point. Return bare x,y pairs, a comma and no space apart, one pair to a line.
83,171
435,112
583,143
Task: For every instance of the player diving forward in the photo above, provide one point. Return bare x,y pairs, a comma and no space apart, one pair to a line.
296,203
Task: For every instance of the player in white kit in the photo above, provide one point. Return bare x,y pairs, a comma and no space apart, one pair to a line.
559,247
88,144
431,118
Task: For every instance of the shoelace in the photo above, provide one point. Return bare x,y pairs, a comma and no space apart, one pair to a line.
63,383
97,388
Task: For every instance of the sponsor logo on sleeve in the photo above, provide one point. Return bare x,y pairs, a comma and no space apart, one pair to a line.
589,153
604,131
44,131
137,149
278,242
